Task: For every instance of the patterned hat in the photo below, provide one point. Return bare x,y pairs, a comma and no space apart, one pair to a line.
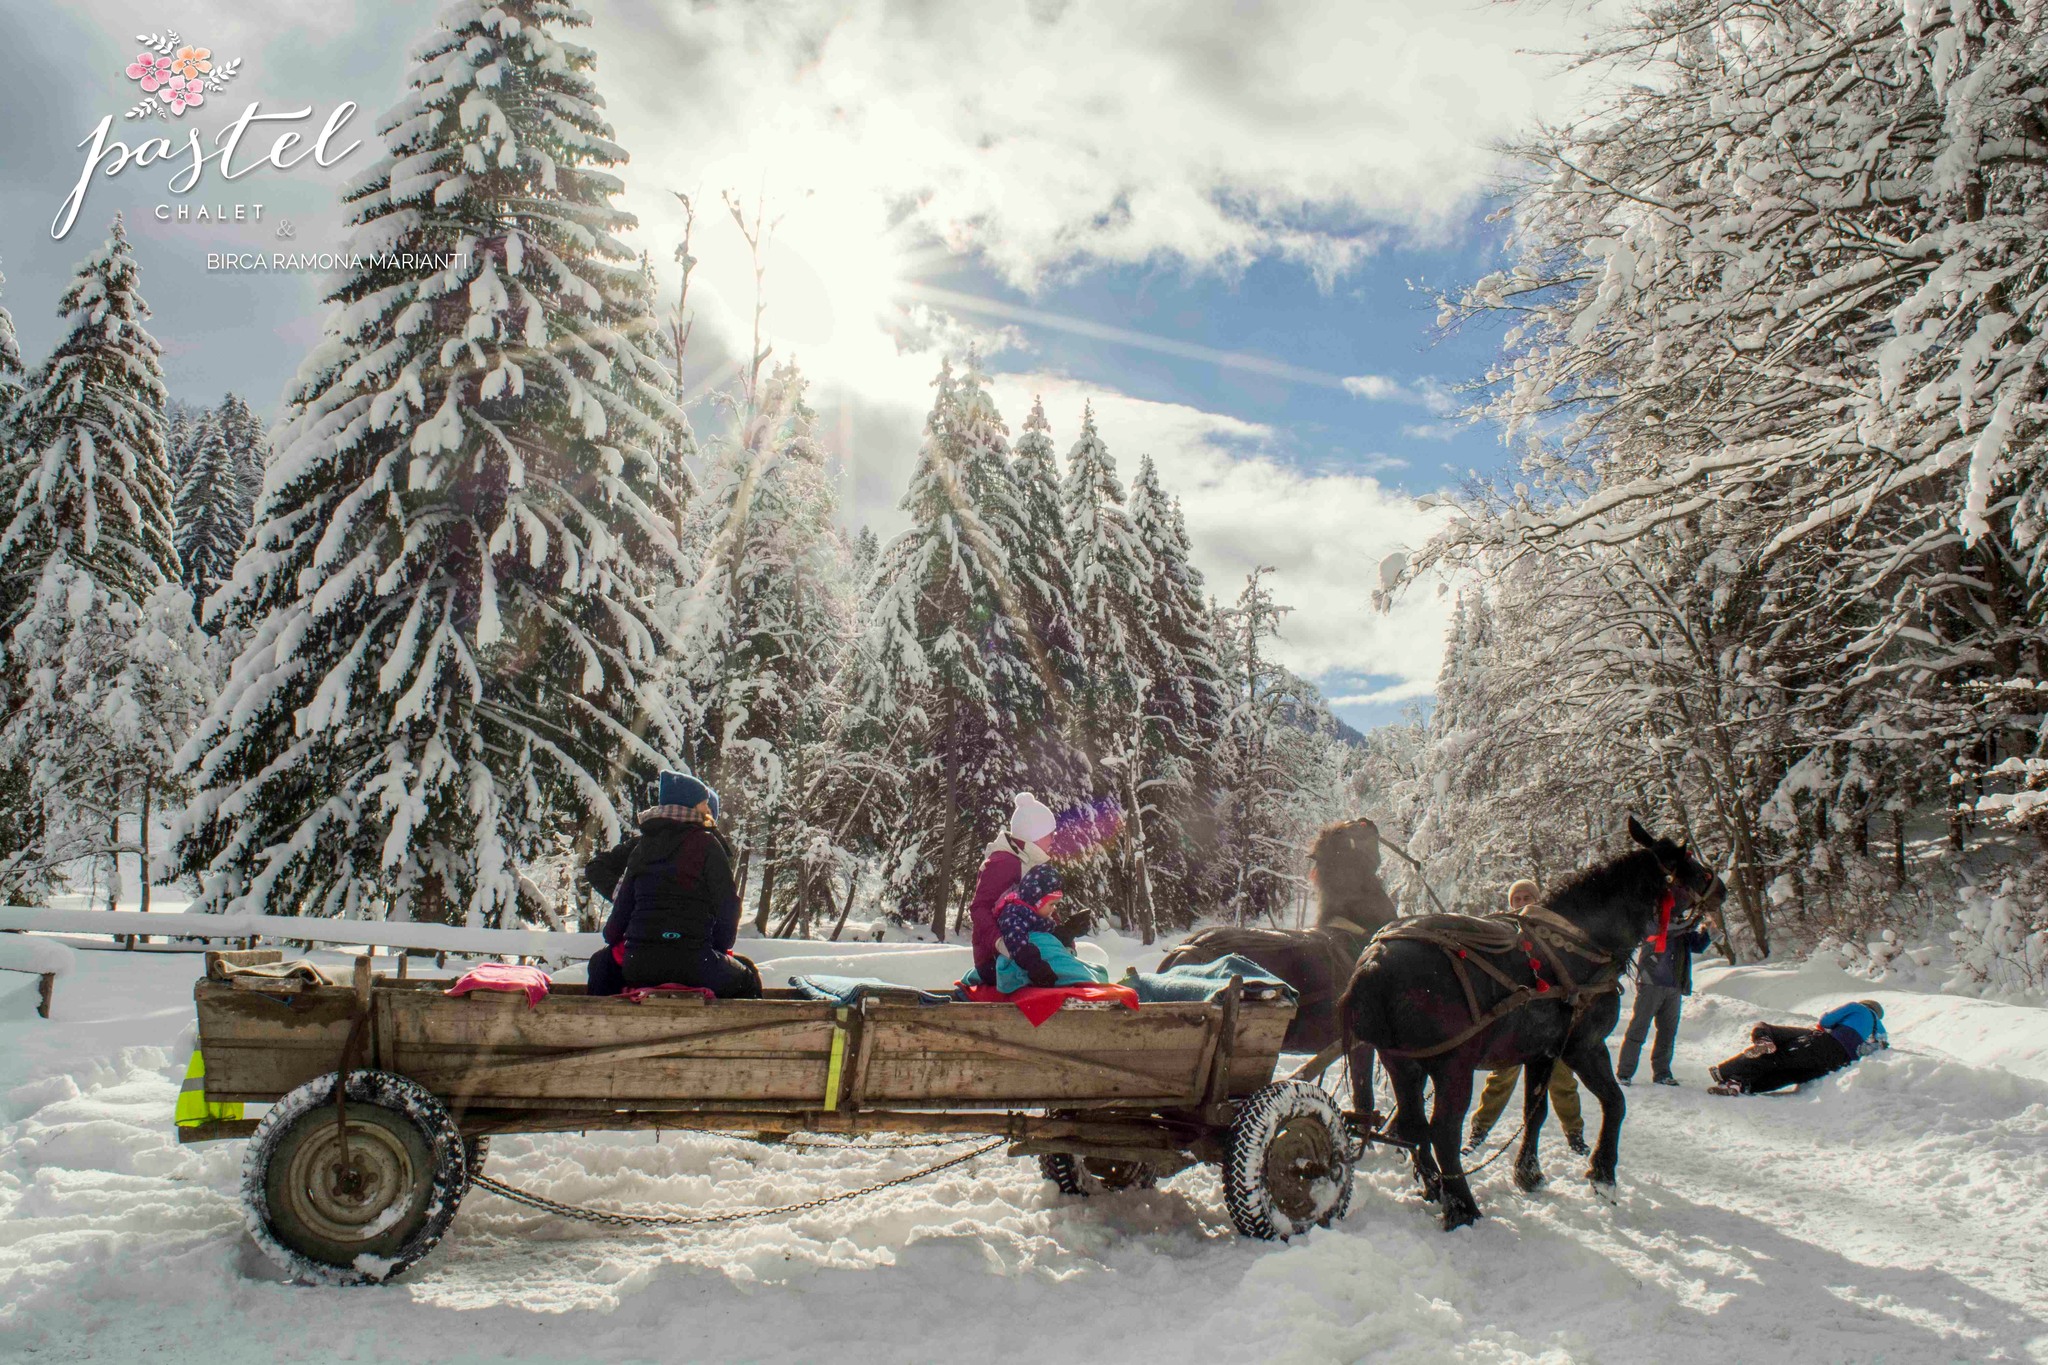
1041,886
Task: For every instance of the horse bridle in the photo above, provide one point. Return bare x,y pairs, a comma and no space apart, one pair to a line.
1684,895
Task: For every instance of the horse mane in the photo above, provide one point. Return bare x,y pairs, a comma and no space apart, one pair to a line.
1628,875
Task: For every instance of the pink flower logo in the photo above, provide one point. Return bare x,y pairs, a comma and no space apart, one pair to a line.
151,71
182,94
178,76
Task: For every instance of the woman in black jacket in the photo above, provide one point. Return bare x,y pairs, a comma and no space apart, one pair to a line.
675,910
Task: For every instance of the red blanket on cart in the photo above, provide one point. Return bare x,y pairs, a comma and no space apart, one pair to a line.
1040,1003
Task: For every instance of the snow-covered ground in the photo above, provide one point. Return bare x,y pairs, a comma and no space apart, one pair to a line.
1897,1213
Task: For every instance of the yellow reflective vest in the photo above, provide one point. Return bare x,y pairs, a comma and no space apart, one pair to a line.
193,1107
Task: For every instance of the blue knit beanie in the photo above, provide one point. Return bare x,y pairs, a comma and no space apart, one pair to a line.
683,789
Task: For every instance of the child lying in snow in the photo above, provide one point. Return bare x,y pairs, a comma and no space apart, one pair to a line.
1780,1056
1035,946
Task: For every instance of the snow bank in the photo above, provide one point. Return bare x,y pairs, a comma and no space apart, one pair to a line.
1891,1212
22,953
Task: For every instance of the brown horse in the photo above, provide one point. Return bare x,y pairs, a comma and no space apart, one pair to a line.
1351,904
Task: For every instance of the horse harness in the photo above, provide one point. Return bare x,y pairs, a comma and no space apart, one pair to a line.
1542,936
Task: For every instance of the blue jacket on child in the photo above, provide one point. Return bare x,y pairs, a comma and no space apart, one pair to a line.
1856,1028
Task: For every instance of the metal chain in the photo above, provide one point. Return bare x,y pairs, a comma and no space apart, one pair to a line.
665,1220
1516,1137
869,1144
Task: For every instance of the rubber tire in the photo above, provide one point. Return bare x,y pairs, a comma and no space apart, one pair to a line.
408,1119
1301,1108
1075,1175
475,1151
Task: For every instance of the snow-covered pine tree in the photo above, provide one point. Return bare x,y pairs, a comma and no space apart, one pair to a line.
1258,779
248,451
1030,690
940,652
211,517
1186,699
17,823
1044,583
449,639
1112,571
104,665
10,359
181,422
88,476
769,617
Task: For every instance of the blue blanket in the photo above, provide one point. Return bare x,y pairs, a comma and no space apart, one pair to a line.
1208,980
851,990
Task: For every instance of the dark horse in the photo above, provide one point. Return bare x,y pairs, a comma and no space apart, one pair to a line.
1351,906
1545,988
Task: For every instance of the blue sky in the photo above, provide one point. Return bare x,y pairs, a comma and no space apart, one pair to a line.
1098,195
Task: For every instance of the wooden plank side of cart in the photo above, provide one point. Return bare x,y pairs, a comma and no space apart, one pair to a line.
494,1052
260,1044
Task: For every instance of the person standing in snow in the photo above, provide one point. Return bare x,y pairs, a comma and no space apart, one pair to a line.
1564,1087
675,908
1663,980
1026,844
1780,1055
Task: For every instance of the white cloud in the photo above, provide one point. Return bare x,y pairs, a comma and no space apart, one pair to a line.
1409,689
1432,431
1056,135
1425,392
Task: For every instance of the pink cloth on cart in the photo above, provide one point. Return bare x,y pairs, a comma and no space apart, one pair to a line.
503,976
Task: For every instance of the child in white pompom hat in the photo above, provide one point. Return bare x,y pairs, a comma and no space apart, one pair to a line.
1023,846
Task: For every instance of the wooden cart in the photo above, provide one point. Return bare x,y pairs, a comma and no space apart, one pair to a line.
383,1093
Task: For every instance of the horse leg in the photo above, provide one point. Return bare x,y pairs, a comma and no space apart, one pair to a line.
1535,1108
1410,1126
1362,1098
1595,1069
1453,1082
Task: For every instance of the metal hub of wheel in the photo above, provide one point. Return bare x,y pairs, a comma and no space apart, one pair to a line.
351,1197
1301,1158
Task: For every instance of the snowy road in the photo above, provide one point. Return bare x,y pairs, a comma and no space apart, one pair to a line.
1899,1213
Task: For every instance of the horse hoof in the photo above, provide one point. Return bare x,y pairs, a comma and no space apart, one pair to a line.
1454,1219
1528,1178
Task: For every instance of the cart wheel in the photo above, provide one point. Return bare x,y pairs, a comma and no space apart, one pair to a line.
1288,1167
362,1211
1086,1175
